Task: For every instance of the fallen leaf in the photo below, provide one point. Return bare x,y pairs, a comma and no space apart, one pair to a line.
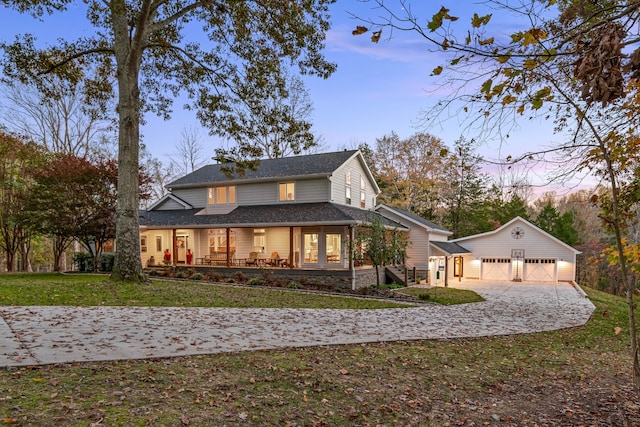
343,372
617,330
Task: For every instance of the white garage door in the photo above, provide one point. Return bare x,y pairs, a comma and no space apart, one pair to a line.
540,270
495,268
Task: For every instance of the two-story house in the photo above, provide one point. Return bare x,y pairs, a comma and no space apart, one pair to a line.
298,212
302,213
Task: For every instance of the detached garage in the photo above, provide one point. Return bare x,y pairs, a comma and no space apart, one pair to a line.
518,251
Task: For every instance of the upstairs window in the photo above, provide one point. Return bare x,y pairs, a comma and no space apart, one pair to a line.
348,195
347,178
221,195
363,199
286,191
363,186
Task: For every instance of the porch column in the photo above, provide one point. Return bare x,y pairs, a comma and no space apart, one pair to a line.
351,263
446,271
291,257
174,246
228,248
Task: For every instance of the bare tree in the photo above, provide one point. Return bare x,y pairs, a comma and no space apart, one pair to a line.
189,154
54,114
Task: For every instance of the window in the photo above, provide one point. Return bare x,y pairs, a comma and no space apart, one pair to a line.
259,239
334,245
221,195
347,178
218,241
362,183
311,248
363,199
348,195
286,191
143,243
158,243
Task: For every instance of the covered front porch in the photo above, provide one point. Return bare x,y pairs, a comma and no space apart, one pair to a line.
282,247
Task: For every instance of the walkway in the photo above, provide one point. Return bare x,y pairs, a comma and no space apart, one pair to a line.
47,335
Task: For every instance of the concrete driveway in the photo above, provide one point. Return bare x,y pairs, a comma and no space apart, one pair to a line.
47,335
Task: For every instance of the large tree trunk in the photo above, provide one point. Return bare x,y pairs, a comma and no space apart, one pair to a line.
128,51
128,263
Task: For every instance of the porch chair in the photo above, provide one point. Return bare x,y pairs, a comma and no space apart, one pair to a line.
252,260
274,260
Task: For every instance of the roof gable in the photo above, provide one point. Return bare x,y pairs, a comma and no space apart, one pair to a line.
415,219
168,198
512,223
287,167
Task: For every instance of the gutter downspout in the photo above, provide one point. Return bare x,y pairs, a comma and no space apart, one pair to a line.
351,263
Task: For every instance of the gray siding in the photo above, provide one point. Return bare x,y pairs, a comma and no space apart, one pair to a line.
338,184
266,193
169,205
196,197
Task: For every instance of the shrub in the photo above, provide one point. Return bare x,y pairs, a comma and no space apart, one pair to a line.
424,297
106,262
180,275
266,274
294,285
153,273
83,261
254,281
239,276
215,277
196,276
230,280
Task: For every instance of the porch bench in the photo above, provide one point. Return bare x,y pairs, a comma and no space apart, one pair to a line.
217,258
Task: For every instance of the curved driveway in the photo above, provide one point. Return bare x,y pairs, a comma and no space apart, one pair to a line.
46,335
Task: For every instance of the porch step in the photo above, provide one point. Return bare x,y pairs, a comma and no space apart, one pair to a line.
397,274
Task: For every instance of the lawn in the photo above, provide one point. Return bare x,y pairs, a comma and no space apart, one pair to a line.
444,296
570,377
83,289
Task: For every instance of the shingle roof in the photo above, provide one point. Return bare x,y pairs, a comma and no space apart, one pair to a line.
303,214
451,248
416,218
312,164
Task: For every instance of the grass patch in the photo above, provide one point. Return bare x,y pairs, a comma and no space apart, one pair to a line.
93,290
569,377
441,295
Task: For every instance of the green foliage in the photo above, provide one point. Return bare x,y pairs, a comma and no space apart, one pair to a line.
254,281
559,226
294,285
381,245
83,261
197,276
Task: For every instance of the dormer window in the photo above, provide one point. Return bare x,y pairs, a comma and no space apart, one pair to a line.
221,195
363,194
286,191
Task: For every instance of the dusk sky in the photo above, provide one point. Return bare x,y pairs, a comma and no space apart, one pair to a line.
377,89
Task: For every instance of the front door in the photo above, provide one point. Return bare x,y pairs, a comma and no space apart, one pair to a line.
181,248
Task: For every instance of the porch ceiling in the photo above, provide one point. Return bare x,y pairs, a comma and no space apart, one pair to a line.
279,215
